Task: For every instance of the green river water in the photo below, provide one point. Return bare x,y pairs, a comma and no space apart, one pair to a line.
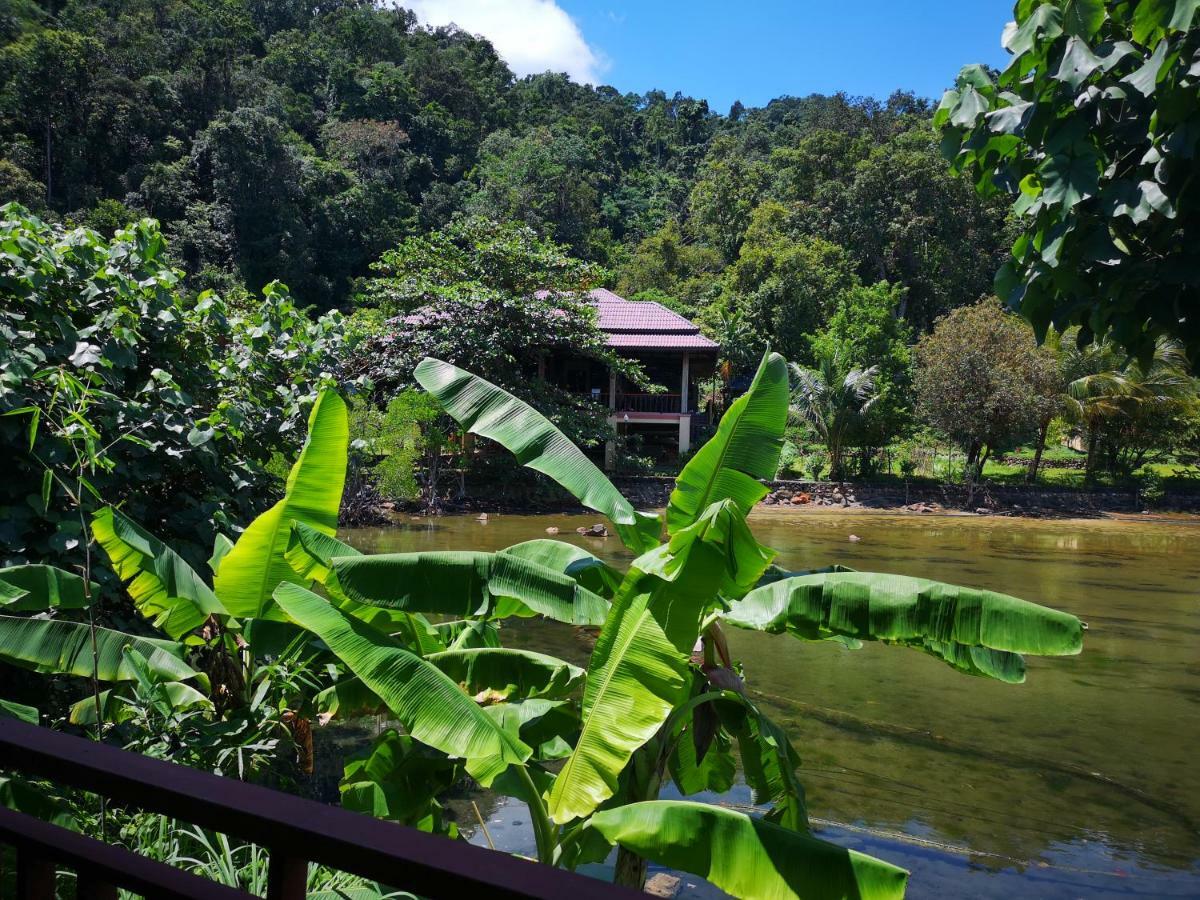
1082,782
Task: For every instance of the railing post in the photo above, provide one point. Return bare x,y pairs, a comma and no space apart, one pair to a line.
90,887
287,877
35,876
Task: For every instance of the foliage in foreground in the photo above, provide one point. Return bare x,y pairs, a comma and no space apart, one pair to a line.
189,400
661,699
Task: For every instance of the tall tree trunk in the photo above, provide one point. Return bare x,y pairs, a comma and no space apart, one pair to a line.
1089,466
969,470
987,452
1031,473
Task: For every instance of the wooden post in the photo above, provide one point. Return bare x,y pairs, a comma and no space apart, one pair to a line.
287,877
612,389
35,876
91,887
683,387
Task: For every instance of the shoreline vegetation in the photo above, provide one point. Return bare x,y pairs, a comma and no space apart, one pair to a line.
917,498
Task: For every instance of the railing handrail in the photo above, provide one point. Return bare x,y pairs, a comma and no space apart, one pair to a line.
42,846
291,828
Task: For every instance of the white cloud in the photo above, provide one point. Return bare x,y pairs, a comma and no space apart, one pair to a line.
532,35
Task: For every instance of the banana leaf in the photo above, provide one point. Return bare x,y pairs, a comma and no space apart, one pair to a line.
593,573
310,554
36,588
398,779
747,857
639,669
549,726
163,587
116,708
484,409
769,763
464,583
467,634
221,546
715,771
492,674
250,572
745,449
347,698
973,630
18,711
432,708
33,800
310,551
58,647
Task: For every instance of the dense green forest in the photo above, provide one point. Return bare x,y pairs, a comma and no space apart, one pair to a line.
301,140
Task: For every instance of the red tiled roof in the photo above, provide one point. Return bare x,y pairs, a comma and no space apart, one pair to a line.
629,324
646,325
643,341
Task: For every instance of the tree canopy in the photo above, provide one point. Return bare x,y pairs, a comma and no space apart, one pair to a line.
1093,127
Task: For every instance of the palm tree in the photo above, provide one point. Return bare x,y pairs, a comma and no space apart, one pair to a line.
1112,398
831,398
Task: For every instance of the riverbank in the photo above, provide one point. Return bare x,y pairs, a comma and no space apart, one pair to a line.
918,497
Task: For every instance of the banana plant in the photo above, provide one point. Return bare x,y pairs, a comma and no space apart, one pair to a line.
204,657
590,751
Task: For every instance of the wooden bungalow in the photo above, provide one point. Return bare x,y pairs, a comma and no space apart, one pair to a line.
673,353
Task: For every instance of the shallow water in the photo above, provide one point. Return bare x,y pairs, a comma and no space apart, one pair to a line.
1081,782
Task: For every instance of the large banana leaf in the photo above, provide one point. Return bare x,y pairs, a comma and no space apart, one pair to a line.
747,857
464,583
35,588
163,587
433,709
590,571
639,667
745,449
310,553
484,409
973,630
488,674
492,674
58,647
250,572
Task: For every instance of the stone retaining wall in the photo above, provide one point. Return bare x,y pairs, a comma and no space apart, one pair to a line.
653,491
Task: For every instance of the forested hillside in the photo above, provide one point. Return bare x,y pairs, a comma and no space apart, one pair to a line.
300,139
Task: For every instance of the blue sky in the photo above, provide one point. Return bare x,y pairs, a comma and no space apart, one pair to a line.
752,51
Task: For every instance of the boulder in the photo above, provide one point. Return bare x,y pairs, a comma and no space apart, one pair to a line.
551,530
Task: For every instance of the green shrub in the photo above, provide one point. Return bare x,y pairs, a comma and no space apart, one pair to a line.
209,390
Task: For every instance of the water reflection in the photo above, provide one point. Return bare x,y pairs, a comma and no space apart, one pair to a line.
1082,780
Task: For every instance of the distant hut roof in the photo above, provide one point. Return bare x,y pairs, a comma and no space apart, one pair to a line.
646,325
629,324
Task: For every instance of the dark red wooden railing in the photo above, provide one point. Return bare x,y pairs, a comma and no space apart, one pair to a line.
649,403
295,832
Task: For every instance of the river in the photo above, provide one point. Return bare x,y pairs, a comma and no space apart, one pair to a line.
1084,781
